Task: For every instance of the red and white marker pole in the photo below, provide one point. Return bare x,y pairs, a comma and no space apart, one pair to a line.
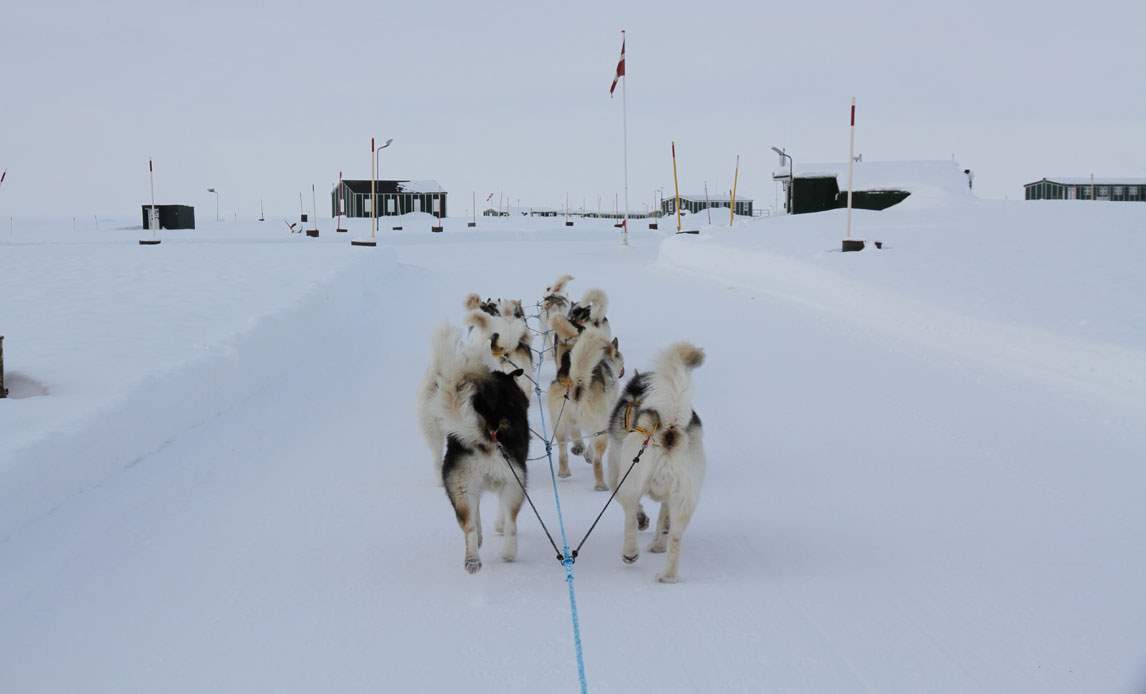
851,162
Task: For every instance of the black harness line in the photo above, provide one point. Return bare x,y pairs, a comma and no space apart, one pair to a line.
509,464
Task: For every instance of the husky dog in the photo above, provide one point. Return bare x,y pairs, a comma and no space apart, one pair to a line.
484,418
555,301
581,395
510,344
588,312
656,411
474,302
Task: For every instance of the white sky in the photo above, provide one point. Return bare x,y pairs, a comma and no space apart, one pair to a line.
261,100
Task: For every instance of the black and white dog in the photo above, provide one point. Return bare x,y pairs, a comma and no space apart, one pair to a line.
483,417
655,414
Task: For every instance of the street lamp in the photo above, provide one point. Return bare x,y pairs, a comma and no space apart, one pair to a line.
377,171
791,175
212,190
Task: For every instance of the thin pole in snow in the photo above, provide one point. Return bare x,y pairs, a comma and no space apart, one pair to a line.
373,194
851,163
154,214
676,188
313,207
707,204
732,202
625,128
301,211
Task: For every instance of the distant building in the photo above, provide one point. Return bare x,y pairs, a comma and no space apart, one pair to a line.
392,198
1113,189
876,185
697,203
172,216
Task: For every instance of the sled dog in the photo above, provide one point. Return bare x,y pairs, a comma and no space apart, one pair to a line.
655,414
581,396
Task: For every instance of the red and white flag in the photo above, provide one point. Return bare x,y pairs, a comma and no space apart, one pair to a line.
620,69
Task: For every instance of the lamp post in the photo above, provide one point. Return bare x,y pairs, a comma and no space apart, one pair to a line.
791,175
378,169
212,190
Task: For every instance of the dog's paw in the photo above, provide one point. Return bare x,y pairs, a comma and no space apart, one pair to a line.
601,487
667,578
564,473
588,456
642,520
657,548
630,559
473,565
577,449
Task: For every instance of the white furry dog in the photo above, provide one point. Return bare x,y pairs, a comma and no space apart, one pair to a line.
655,415
509,341
581,396
483,420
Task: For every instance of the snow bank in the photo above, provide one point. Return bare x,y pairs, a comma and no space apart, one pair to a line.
963,282
134,345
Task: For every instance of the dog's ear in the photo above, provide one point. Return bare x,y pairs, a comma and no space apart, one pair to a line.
516,372
493,341
616,343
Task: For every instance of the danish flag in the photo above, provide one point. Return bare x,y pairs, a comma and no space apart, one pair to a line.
620,69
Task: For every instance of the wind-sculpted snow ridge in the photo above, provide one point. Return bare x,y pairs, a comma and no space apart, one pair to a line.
172,391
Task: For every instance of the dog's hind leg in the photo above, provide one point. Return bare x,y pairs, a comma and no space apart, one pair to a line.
465,504
511,499
599,445
559,421
680,512
629,551
657,546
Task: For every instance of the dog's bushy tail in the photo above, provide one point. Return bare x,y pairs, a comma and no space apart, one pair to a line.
559,286
598,303
586,355
457,367
563,327
479,320
670,389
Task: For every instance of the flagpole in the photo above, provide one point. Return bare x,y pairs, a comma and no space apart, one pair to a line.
625,128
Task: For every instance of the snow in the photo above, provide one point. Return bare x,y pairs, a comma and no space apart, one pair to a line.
924,463
420,187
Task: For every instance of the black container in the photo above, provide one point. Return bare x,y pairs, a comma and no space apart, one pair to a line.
364,243
850,245
312,233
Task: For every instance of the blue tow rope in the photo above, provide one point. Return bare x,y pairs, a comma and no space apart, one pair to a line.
567,560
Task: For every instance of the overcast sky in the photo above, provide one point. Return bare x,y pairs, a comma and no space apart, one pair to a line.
262,100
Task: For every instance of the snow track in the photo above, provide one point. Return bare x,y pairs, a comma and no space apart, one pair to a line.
878,515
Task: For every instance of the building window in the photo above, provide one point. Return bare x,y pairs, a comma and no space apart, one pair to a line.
366,205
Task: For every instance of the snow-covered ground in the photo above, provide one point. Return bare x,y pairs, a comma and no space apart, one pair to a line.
925,463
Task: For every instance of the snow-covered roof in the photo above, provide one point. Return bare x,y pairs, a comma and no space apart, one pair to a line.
1085,180
712,197
420,187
